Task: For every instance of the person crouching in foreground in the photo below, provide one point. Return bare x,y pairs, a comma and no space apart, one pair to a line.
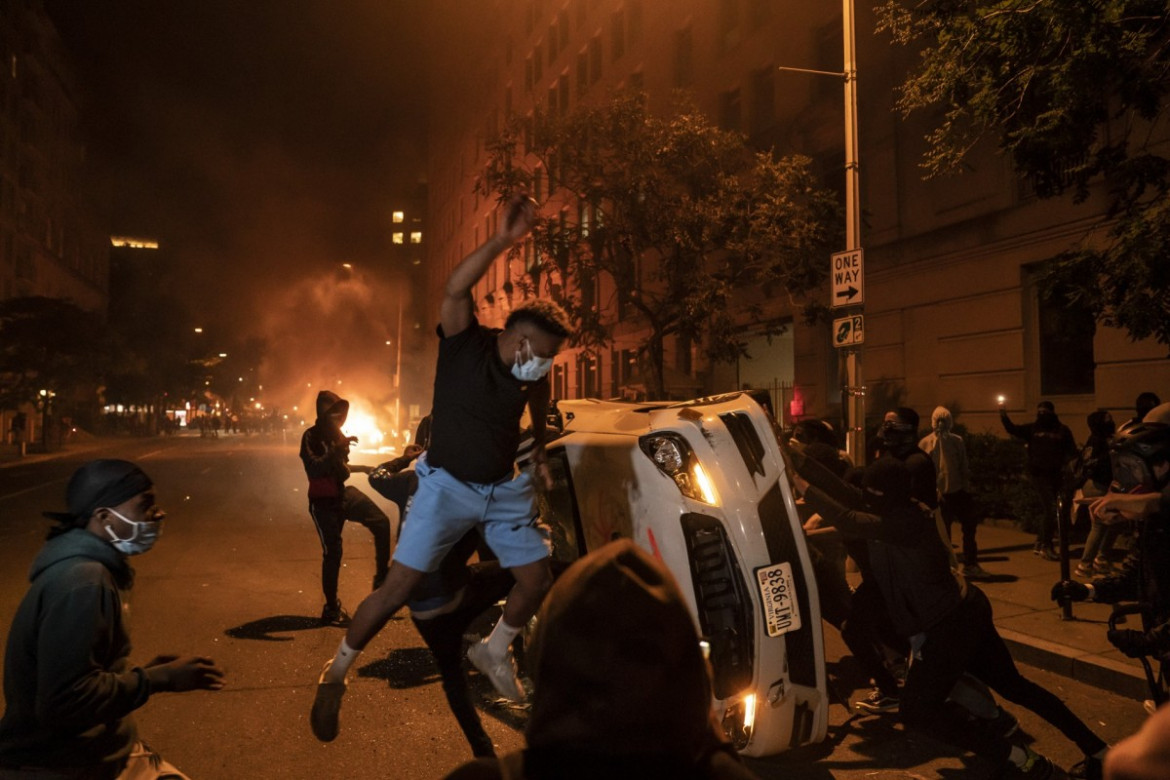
68,683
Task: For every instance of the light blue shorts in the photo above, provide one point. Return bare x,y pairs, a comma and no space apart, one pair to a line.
444,509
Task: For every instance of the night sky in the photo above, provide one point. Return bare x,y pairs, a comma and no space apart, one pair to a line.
261,141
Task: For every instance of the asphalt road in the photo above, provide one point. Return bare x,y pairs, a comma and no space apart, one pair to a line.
236,576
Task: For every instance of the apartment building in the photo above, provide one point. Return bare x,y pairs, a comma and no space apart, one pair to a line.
951,309
50,243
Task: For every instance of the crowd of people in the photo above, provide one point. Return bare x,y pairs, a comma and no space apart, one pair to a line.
621,686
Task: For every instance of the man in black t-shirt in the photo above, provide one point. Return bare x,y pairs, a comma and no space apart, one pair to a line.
483,381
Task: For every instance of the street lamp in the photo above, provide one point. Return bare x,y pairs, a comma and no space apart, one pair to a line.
854,390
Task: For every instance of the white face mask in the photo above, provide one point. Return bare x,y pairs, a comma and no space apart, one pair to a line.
145,534
531,369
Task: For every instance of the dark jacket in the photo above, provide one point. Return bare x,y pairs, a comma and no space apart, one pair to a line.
325,449
907,560
1051,446
68,684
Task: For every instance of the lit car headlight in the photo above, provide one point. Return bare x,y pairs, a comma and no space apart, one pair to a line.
674,458
739,720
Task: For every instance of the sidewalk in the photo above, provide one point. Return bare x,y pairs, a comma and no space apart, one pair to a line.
1030,622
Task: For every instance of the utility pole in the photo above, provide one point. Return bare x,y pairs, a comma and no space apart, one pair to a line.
398,369
854,392
847,270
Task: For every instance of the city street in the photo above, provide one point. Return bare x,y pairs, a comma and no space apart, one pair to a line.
235,576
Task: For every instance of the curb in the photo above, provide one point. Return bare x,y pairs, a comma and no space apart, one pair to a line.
1113,676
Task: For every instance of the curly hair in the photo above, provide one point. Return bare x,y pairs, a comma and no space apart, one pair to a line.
545,315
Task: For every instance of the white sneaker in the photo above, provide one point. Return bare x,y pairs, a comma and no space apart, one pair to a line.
501,672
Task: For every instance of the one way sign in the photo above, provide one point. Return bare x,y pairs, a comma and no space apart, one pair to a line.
848,279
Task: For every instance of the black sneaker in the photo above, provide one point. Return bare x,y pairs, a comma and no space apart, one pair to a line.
1004,724
334,615
1049,554
878,702
1089,769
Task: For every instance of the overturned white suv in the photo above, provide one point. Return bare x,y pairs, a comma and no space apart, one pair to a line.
701,485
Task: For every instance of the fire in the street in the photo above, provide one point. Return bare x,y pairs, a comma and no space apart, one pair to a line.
361,423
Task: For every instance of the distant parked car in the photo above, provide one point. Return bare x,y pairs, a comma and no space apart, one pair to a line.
701,485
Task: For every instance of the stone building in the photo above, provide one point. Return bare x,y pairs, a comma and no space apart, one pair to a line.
951,310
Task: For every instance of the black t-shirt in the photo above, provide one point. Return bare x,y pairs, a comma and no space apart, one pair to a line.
475,424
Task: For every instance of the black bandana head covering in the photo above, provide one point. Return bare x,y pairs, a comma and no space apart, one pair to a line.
97,484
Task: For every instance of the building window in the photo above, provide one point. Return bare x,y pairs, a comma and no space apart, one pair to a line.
563,98
537,65
730,110
684,64
563,27
635,20
398,238
637,81
595,59
528,72
728,27
398,216
763,100
582,71
416,236
1066,334
617,35
553,38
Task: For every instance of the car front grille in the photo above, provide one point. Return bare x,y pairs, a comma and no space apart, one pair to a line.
725,608
802,662
744,434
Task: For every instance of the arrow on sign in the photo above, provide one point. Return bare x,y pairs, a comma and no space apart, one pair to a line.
848,293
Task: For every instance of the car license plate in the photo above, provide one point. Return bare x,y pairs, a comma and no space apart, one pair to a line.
778,596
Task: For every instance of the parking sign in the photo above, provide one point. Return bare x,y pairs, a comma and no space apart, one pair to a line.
848,331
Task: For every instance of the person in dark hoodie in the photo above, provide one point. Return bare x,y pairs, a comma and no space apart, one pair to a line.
69,686
1051,448
949,627
898,437
622,689
325,454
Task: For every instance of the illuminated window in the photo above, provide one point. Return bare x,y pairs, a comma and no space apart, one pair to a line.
398,217
416,237
397,238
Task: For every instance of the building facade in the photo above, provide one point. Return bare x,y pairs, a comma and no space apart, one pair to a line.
951,312
50,241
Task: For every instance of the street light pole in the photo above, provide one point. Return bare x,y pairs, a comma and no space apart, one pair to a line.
854,387
853,392
398,369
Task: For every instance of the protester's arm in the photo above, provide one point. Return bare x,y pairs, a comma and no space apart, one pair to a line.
821,477
74,691
850,521
456,309
1019,431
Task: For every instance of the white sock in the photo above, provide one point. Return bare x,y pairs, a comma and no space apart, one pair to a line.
500,638
345,657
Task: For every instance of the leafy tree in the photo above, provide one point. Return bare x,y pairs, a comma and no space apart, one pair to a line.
49,344
1074,93
680,217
